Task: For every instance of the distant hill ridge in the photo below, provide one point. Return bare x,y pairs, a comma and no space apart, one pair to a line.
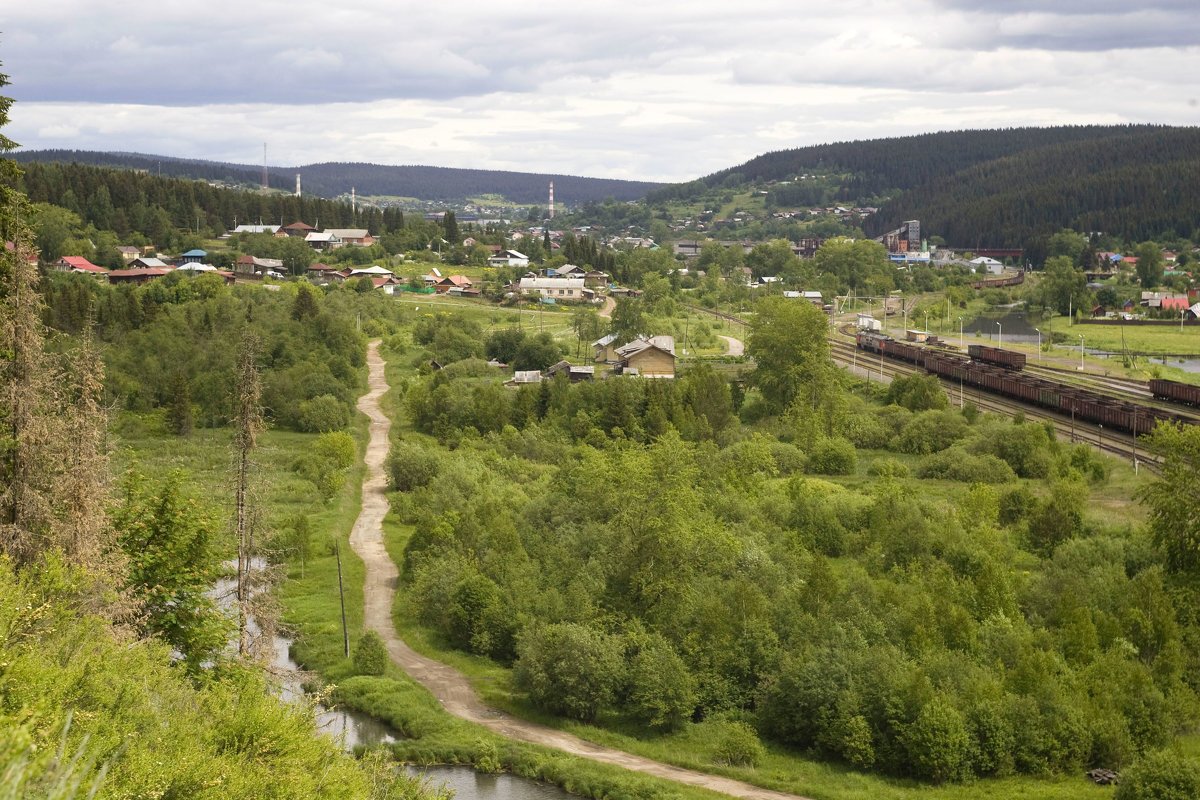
331,179
1000,188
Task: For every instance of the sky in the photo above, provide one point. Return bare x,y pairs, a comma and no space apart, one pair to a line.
663,91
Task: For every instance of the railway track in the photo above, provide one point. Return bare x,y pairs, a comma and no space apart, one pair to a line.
1122,445
720,314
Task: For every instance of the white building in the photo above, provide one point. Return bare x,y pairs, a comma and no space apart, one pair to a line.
509,258
556,288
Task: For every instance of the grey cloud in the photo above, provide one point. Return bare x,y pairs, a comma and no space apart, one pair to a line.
1067,7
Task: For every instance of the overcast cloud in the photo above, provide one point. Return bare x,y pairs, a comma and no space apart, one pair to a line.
655,91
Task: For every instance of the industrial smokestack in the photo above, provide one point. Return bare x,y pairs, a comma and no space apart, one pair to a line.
551,199
297,184
264,166
353,201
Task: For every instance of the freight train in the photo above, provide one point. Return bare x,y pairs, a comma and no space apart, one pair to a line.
1084,405
1010,359
1175,391
996,283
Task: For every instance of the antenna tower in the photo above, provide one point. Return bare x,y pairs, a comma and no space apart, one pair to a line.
264,166
551,199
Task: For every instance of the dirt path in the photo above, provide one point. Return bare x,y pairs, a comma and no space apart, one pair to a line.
736,348
448,685
609,305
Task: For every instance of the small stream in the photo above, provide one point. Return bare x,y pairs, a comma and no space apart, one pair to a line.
358,729
354,727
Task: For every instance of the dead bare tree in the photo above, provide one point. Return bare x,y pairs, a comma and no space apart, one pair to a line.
255,617
28,384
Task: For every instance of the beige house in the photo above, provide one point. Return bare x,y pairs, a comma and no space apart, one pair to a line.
605,349
650,358
360,237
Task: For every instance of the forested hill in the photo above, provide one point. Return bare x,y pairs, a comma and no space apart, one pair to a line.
1139,186
332,179
997,187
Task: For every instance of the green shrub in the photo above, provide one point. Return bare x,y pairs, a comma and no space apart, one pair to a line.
661,689
337,448
834,456
736,744
410,466
322,413
956,464
917,392
930,432
370,655
888,467
568,669
789,459
487,757
1160,776
937,742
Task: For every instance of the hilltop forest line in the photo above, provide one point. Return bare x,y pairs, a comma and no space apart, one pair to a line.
990,188
163,211
335,179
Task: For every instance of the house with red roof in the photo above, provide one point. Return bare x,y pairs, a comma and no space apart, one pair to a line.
452,282
78,264
297,229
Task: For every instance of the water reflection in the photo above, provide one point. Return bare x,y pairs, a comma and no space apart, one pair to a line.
354,727
471,785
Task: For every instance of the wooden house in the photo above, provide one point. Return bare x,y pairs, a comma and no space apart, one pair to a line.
605,350
650,358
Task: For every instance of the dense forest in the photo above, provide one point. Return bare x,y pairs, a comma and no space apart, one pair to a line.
994,188
334,179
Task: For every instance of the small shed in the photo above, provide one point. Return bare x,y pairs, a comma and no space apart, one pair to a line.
867,322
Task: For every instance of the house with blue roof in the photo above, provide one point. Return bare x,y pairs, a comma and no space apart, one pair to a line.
194,257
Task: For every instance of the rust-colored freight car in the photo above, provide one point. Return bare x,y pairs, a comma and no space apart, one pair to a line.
995,355
1175,391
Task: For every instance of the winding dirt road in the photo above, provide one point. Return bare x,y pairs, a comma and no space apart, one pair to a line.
448,685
